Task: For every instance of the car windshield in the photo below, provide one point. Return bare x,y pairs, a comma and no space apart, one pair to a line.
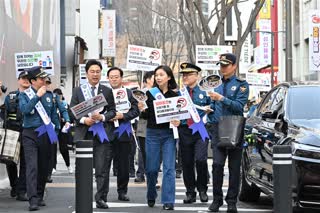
303,103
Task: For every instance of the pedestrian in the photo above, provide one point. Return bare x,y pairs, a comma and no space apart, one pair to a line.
102,148
37,107
13,121
148,81
194,149
127,110
65,137
160,136
229,99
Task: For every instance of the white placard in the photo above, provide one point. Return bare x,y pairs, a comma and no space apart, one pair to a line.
314,40
143,58
175,108
26,60
259,79
121,100
207,56
109,33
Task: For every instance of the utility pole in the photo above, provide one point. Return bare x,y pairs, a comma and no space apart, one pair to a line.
288,42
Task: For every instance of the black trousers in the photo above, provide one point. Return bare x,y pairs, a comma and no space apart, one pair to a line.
194,154
122,151
141,157
132,156
37,156
234,164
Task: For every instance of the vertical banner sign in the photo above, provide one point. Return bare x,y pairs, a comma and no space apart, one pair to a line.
245,57
314,40
82,73
27,60
143,58
109,33
208,55
265,41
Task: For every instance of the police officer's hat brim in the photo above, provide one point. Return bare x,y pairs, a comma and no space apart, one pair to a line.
189,70
42,75
224,62
23,74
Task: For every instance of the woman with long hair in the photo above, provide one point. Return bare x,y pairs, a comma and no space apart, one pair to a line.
160,137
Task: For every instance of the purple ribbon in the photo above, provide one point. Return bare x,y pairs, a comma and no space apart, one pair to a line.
199,127
124,127
49,129
98,128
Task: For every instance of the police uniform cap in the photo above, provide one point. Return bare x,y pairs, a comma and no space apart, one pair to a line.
23,74
37,72
227,58
188,67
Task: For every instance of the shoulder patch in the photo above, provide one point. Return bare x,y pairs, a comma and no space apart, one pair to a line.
243,88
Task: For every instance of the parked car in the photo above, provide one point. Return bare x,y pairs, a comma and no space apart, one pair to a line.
288,115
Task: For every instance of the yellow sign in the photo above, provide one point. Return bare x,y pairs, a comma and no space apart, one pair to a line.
265,12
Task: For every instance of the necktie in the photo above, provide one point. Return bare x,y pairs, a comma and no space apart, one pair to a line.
190,120
92,91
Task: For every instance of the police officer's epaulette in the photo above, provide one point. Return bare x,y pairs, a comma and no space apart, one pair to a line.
241,79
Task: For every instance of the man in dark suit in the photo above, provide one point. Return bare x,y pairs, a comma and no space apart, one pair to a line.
102,150
122,142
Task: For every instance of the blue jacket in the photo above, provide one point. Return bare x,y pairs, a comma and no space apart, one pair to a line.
236,93
199,98
31,118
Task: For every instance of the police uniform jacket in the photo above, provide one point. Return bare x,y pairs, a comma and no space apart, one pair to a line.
31,118
13,114
199,98
235,92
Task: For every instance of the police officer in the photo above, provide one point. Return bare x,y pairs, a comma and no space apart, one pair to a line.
36,148
13,121
194,151
229,99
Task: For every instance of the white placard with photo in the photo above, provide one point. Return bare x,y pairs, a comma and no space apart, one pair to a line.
143,58
176,108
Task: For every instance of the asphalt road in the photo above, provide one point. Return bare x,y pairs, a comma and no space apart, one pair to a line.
60,197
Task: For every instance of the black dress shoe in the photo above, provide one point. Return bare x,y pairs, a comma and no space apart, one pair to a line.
49,179
168,206
139,180
190,198
13,192
203,197
33,207
132,174
41,203
123,197
232,208
22,197
100,204
151,203
178,175
215,205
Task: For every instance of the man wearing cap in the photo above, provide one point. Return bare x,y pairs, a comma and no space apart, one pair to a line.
38,109
13,121
193,148
229,99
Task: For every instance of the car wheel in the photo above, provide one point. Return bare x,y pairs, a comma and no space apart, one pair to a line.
248,193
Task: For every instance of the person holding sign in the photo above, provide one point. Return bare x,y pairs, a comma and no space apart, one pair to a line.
194,148
127,109
95,127
38,109
160,137
229,99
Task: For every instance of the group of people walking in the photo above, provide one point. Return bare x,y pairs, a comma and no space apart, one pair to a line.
157,141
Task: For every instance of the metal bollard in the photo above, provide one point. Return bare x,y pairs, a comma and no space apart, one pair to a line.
84,177
282,178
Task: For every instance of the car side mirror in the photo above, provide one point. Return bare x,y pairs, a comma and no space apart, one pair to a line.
269,114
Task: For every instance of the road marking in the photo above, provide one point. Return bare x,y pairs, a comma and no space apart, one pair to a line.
180,208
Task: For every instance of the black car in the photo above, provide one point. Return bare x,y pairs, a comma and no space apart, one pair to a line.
288,115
